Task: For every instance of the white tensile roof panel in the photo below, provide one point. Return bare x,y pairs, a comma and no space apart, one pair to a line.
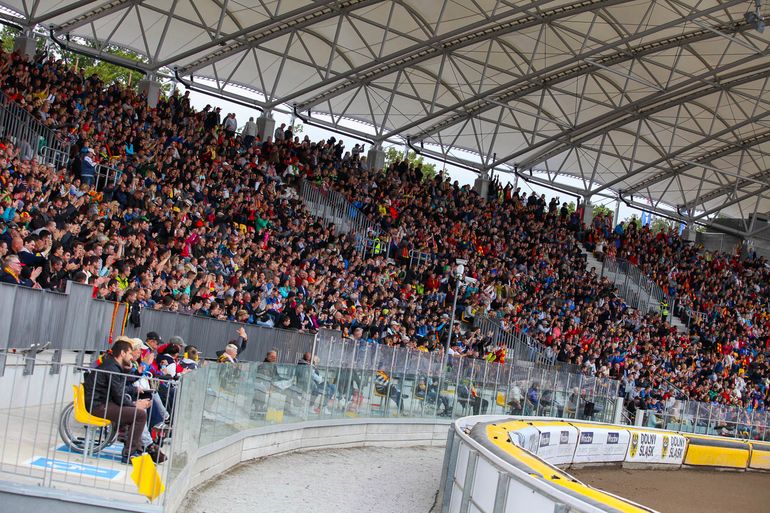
661,100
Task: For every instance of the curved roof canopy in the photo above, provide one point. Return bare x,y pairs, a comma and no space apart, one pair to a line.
661,99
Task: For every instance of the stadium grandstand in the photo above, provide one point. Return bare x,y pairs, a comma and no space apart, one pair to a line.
205,277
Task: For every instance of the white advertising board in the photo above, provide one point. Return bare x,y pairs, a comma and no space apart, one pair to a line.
600,444
656,447
557,444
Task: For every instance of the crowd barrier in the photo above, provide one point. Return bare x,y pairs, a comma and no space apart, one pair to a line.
726,421
520,346
516,464
21,127
634,286
76,322
218,403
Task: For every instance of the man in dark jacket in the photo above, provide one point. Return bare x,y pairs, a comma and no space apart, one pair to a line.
108,396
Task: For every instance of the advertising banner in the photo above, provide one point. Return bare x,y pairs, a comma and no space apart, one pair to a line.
601,444
656,447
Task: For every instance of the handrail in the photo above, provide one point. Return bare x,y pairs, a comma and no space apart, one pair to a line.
332,206
521,346
634,286
20,125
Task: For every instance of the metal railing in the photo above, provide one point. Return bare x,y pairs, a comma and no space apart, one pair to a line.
708,419
76,322
43,442
21,127
105,175
520,346
333,207
635,287
56,158
360,380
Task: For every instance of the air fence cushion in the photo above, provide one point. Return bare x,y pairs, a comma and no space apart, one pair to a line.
716,452
760,456
601,444
527,438
557,443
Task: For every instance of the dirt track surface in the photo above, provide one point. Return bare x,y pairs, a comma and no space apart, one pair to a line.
685,491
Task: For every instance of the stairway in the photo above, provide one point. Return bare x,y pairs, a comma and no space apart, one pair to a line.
631,290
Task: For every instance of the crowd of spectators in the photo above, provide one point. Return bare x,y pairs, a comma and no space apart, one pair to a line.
207,221
722,296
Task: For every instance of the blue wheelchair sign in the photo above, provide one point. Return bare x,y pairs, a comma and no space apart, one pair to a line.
75,468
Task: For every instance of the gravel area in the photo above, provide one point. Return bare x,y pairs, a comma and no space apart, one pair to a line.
369,479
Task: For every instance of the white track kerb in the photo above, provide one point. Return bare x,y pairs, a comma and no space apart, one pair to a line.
496,464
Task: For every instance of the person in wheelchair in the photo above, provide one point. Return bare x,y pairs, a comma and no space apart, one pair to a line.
107,395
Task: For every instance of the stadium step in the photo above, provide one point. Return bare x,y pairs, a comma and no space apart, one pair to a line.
593,262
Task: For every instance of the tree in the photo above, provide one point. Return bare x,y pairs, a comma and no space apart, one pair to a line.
571,207
661,224
392,155
603,210
634,219
7,34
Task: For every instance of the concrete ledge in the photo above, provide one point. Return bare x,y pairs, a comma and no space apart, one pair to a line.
18,498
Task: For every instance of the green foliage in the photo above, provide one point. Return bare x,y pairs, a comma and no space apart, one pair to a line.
634,219
571,207
107,72
660,224
392,155
7,34
298,128
603,210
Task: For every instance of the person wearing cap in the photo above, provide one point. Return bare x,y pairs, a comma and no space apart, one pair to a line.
11,273
87,166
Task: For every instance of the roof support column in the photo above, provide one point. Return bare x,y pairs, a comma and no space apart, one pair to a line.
24,43
265,125
481,184
375,158
588,211
689,228
150,88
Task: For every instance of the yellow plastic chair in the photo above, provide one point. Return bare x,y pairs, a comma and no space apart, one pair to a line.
85,418
500,400
383,401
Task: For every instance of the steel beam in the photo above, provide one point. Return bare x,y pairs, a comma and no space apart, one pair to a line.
679,94
253,35
100,11
492,27
557,74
